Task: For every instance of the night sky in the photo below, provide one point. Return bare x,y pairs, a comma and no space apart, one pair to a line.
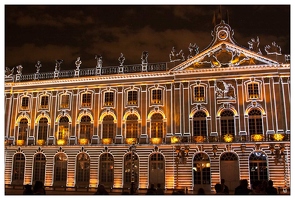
49,32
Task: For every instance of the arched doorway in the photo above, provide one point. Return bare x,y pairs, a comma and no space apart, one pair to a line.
129,160
82,170
258,167
202,172
106,170
157,170
229,170
60,170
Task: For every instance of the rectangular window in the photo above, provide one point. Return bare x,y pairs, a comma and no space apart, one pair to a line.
132,97
25,103
156,96
109,99
65,101
253,91
199,93
44,102
86,100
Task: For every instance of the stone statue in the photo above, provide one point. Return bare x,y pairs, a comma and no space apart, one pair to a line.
144,57
19,69
78,63
38,66
121,59
9,72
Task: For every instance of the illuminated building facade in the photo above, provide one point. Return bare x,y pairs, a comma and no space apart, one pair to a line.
223,112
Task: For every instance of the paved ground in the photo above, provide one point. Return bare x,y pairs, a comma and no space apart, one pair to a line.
19,191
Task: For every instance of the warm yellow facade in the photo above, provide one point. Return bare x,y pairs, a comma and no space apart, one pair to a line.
219,114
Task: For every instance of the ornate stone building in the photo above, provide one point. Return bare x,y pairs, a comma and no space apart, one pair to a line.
223,112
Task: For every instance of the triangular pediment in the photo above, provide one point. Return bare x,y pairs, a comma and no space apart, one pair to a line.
224,54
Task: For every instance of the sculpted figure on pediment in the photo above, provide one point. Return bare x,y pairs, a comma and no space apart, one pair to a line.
224,56
193,50
254,45
174,56
273,49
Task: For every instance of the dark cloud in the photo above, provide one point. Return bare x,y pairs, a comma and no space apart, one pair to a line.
49,32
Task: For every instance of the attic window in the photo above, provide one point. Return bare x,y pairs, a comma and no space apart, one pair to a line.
199,94
253,90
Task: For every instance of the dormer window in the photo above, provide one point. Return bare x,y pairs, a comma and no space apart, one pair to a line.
253,90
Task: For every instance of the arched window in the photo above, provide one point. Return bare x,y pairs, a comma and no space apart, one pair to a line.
200,124
22,132
201,171
227,125
132,126
106,170
42,131
258,167
18,169
255,125
131,159
60,169
157,126
63,131
85,130
39,167
82,170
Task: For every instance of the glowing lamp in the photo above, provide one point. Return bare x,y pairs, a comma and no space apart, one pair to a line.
40,142
174,139
106,140
20,142
156,140
130,140
83,141
257,137
199,138
228,137
278,137
61,142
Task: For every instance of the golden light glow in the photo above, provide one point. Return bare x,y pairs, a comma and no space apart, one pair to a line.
20,142
106,140
199,138
156,140
40,142
278,137
174,139
83,141
130,140
61,142
93,182
117,183
257,137
228,137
